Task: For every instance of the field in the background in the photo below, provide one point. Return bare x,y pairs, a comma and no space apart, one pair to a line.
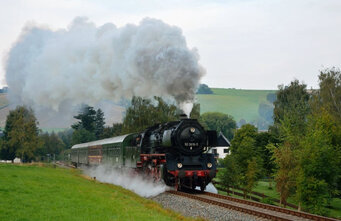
241,104
3,100
47,193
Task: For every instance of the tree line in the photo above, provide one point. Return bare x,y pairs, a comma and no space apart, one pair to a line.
301,150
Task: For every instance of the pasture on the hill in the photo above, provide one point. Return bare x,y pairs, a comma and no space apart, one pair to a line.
3,100
42,192
241,104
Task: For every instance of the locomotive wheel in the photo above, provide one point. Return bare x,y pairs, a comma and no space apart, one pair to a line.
178,184
202,186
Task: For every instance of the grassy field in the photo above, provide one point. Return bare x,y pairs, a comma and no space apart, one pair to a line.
241,104
263,187
33,192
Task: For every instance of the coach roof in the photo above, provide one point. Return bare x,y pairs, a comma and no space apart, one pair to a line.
118,139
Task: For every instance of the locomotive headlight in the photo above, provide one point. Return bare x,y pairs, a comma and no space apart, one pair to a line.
179,165
209,165
192,129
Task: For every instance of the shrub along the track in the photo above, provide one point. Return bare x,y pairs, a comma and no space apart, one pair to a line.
36,192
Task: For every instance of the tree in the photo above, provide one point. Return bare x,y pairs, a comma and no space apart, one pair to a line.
56,144
286,174
82,136
292,104
204,89
85,128
87,118
144,113
51,144
263,139
330,91
328,100
229,177
20,135
290,123
251,174
99,124
220,122
115,130
319,163
245,153
66,137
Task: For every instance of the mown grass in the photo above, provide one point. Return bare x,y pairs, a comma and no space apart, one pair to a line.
32,192
241,104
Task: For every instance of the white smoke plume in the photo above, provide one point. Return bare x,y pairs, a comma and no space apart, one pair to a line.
83,63
187,108
128,180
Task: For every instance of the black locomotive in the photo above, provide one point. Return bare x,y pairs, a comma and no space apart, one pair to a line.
174,152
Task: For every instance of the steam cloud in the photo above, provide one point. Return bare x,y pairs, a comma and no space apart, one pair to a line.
136,183
49,70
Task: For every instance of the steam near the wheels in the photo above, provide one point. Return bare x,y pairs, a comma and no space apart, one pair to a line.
86,64
143,186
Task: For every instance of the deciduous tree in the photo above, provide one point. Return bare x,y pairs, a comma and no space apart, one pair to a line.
20,135
220,122
319,163
245,153
229,177
286,174
144,113
82,136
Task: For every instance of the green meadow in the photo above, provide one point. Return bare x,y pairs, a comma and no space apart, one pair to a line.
241,104
334,210
42,192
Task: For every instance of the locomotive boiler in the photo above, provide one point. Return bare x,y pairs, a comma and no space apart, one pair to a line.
175,152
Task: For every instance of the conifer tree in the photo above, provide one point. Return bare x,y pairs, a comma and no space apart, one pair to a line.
99,124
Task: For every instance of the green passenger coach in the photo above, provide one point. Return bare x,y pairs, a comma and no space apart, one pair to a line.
120,151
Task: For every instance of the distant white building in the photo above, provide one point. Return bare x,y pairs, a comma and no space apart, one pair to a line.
223,147
17,160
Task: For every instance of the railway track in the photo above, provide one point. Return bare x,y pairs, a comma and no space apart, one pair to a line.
252,208
245,206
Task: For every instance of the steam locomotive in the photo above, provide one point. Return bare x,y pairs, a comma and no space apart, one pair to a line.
174,152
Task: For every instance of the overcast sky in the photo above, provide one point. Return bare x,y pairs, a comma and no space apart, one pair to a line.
244,44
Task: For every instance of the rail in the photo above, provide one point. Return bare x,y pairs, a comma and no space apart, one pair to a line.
253,208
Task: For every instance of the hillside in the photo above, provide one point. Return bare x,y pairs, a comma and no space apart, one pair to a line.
241,104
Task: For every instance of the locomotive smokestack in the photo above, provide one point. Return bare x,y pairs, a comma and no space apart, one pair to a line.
183,116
